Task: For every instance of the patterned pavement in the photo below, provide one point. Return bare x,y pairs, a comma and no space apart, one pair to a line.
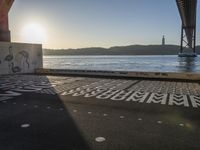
83,113
183,94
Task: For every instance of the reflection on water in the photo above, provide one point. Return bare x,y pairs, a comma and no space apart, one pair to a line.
158,63
187,64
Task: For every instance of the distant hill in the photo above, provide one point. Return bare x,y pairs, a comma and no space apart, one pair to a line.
120,50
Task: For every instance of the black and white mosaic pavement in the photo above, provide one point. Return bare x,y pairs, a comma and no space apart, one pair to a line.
183,94
82,113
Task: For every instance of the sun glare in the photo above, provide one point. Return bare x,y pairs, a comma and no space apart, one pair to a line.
33,33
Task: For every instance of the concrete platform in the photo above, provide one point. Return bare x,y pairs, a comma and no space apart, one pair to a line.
190,76
63,112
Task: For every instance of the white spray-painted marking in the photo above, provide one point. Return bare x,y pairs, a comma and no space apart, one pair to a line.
121,117
100,139
25,125
159,122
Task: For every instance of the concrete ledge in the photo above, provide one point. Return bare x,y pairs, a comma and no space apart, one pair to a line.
130,74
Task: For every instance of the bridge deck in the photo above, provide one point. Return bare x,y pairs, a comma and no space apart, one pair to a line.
62,112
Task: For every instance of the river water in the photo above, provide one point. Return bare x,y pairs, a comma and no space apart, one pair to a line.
160,63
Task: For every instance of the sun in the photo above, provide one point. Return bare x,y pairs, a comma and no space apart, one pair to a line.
33,33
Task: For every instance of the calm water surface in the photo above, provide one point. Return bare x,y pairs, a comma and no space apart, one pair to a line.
124,63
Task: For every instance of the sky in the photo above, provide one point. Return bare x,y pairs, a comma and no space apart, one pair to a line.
96,23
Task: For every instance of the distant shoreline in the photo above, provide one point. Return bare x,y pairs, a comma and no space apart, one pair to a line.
121,50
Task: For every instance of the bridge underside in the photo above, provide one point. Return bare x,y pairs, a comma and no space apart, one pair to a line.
187,10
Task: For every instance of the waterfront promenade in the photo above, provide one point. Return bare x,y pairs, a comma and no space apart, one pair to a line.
76,113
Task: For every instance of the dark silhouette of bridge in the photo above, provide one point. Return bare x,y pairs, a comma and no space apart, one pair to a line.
188,10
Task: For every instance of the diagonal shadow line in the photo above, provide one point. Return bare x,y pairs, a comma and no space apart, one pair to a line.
52,129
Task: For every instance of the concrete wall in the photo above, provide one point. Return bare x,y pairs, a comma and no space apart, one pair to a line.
20,57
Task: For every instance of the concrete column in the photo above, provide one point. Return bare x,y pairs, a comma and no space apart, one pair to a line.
5,6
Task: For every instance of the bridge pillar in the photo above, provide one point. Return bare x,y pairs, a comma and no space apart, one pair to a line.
5,6
185,42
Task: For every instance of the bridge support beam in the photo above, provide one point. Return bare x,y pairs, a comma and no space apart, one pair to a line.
188,10
5,6
184,41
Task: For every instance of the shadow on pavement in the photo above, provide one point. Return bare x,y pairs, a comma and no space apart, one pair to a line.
38,122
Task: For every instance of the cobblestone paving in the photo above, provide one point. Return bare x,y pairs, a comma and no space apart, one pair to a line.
142,91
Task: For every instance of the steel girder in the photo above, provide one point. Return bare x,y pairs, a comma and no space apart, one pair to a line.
187,10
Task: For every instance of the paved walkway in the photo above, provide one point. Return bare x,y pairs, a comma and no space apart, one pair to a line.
60,112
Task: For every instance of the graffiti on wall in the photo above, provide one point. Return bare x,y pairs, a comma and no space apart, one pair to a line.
10,59
19,58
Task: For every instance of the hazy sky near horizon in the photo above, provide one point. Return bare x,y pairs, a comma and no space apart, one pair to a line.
96,23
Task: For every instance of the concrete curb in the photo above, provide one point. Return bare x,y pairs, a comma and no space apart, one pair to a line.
130,74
